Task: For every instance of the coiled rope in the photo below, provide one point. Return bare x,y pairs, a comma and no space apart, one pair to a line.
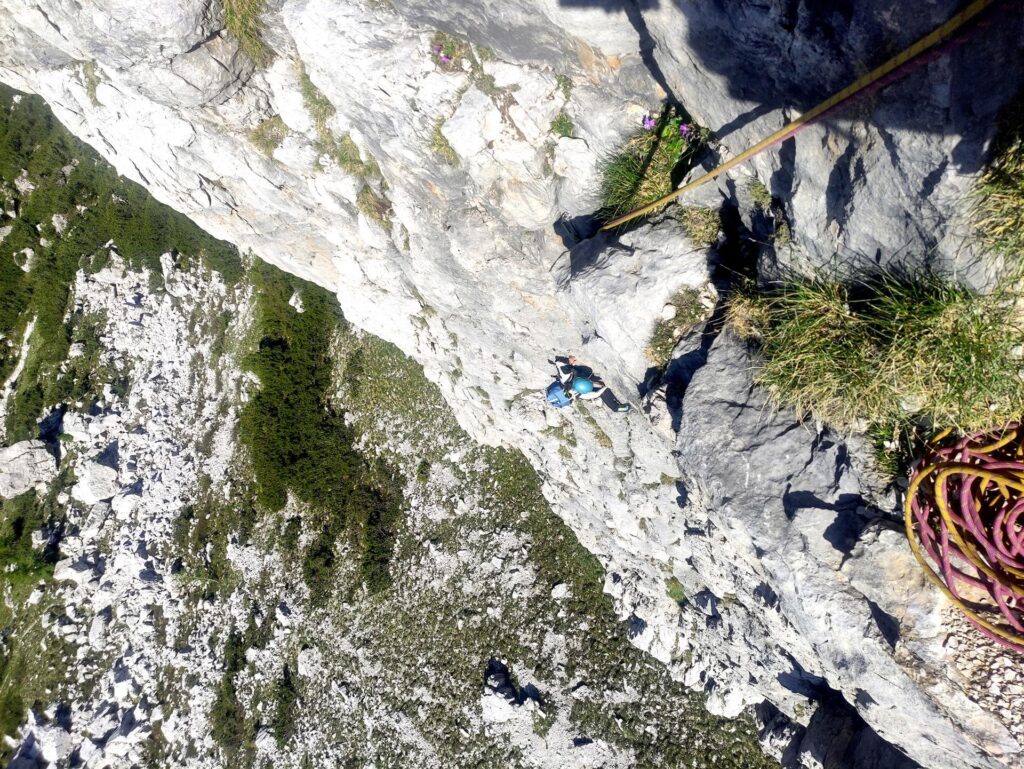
965,511
878,77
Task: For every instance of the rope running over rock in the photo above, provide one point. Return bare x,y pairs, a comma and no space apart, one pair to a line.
965,511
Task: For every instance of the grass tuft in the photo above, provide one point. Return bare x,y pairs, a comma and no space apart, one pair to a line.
701,224
565,84
269,134
243,20
440,145
374,206
888,352
563,125
999,205
689,312
760,194
649,165
675,591
317,105
90,74
346,155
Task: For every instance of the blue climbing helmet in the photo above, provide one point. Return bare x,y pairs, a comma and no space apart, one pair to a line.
582,385
557,397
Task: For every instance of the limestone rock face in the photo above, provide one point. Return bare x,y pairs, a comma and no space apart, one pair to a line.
25,466
785,500
96,483
758,521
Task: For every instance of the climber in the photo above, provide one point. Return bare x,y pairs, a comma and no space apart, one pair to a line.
579,382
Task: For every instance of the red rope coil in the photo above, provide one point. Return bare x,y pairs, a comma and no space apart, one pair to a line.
964,515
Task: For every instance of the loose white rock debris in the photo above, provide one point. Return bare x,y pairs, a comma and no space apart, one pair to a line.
136,465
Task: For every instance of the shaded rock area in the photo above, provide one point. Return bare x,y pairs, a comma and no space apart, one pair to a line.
792,586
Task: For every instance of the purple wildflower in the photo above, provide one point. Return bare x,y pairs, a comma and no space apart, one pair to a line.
436,48
685,129
649,122
446,59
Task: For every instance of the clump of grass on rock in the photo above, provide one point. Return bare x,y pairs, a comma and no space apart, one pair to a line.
242,19
701,224
999,208
645,168
440,145
689,311
563,126
888,352
269,134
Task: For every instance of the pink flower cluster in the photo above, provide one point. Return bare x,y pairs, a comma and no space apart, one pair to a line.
441,55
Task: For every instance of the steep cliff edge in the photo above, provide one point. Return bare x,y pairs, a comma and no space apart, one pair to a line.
425,195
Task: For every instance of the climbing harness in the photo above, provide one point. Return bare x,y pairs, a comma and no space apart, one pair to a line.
879,77
964,510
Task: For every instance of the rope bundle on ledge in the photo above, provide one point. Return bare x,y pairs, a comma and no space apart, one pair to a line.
965,511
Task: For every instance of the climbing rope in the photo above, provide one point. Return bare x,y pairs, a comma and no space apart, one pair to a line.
965,511
880,76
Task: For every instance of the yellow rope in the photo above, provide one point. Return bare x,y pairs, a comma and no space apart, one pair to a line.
922,45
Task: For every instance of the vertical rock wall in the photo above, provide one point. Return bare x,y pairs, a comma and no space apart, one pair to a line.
463,269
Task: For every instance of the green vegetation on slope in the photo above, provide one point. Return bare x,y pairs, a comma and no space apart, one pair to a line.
487,502
64,204
97,207
31,670
298,438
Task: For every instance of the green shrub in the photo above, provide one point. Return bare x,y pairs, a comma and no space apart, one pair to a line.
649,165
886,350
286,700
228,723
563,126
269,134
243,20
689,312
